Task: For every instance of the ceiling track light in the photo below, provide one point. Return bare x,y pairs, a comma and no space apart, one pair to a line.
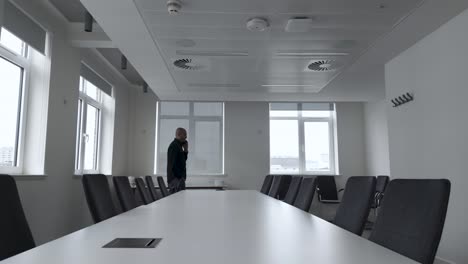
145,87
123,62
88,23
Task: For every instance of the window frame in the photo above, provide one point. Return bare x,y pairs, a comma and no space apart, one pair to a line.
192,119
83,101
301,139
23,62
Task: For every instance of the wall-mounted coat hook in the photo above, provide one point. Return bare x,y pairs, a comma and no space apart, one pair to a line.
402,99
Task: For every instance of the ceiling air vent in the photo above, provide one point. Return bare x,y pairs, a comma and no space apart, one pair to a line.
188,64
323,66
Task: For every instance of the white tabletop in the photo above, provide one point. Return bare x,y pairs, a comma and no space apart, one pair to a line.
213,227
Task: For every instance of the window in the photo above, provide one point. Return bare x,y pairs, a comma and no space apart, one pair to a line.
14,68
204,124
89,128
302,138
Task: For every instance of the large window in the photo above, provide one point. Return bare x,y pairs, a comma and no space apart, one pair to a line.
204,124
89,128
302,138
14,67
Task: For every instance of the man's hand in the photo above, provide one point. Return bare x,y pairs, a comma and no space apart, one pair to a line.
185,146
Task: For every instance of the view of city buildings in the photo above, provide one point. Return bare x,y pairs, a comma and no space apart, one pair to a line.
6,156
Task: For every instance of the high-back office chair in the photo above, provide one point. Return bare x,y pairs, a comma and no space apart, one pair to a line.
144,194
15,235
380,186
305,195
152,189
356,203
279,186
162,186
292,190
412,217
266,184
326,189
98,196
124,193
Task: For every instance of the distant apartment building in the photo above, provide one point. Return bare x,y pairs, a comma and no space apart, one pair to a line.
6,156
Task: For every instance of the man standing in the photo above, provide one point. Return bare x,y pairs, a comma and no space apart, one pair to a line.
176,161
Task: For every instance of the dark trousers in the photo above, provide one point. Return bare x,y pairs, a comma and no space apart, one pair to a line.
177,185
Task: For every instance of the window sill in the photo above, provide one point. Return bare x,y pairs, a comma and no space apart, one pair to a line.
29,176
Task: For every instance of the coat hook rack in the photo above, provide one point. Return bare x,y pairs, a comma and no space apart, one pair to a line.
403,99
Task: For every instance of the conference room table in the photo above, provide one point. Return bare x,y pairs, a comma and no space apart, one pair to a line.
213,227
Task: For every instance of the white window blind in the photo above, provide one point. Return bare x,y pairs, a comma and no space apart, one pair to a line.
95,79
205,129
22,26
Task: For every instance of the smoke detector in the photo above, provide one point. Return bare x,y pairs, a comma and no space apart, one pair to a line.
174,7
323,65
257,24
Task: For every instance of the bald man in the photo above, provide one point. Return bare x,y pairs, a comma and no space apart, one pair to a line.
176,161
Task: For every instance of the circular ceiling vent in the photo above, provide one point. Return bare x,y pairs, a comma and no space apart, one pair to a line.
323,65
188,64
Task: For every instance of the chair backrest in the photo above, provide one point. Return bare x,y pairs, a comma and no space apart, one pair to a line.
412,217
381,184
162,186
305,195
266,184
98,196
275,186
144,194
124,192
356,203
293,189
284,186
326,188
152,190
15,235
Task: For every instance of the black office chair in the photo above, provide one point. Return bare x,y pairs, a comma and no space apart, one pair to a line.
326,190
355,205
266,184
144,194
98,196
15,235
124,192
152,189
305,195
279,186
412,217
162,186
293,189
380,186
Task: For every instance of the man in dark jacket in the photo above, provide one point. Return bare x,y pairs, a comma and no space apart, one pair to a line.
176,161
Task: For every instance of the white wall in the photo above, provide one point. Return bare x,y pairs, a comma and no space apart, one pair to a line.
428,137
376,135
54,204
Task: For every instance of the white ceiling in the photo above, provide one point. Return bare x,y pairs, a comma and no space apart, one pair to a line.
241,65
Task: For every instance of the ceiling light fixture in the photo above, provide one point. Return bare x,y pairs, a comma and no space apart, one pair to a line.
123,62
88,22
288,85
212,53
310,54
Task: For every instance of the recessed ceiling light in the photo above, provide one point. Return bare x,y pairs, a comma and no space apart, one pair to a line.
288,85
305,54
212,53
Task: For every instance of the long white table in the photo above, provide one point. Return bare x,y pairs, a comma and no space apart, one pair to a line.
213,227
